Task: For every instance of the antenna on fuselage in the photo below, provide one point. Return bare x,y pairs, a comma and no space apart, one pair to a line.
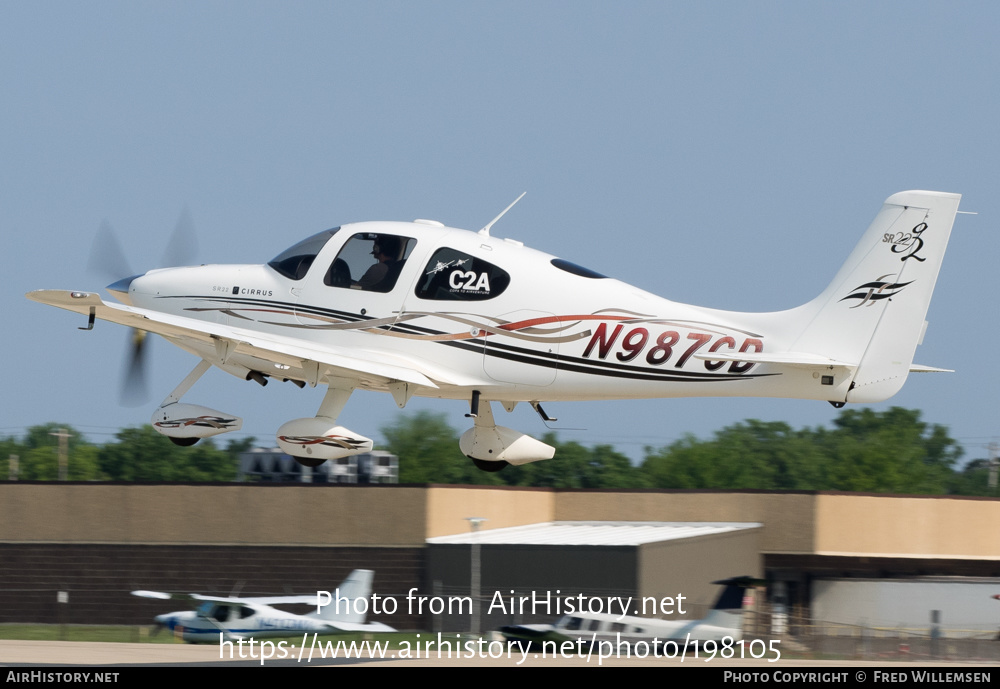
486,230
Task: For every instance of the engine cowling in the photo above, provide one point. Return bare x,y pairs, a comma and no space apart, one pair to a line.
319,438
181,420
501,444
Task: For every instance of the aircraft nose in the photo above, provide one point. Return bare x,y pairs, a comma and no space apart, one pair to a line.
120,289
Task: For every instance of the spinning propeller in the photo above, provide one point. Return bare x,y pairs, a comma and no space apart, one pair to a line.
108,259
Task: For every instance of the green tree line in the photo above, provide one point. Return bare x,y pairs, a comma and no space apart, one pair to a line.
893,451
136,454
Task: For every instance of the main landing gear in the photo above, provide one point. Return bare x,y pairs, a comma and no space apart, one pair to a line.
312,441
186,424
492,448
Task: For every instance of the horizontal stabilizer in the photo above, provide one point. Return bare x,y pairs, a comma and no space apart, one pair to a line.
365,627
783,358
917,368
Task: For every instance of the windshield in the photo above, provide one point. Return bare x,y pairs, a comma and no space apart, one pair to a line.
294,263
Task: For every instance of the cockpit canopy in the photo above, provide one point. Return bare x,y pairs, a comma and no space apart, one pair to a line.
373,261
294,262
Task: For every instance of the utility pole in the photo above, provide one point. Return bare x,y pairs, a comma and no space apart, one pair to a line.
475,523
994,450
63,453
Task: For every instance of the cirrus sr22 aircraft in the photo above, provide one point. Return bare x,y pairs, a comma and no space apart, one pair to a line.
424,309
342,610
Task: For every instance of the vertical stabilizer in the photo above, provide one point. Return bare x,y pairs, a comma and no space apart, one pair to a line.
872,314
726,616
343,608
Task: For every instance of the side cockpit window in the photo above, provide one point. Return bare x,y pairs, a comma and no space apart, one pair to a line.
452,275
370,262
294,263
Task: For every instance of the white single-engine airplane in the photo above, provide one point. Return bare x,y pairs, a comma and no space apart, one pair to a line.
725,619
342,610
423,309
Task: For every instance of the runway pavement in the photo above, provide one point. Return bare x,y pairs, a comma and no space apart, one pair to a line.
101,654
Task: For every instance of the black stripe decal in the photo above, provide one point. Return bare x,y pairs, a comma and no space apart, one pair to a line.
510,352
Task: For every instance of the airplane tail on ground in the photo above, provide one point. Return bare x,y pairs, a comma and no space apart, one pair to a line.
729,605
870,318
343,608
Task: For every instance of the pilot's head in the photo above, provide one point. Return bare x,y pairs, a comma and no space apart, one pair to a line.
386,247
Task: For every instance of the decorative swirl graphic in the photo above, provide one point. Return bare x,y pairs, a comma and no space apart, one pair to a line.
328,440
871,292
198,421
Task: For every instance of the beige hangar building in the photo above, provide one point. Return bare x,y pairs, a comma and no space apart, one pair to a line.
95,542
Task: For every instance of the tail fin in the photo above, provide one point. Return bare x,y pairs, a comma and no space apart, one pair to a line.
342,608
729,605
731,597
872,314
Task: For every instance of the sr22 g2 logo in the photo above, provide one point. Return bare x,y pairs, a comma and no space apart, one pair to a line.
665,346
902,241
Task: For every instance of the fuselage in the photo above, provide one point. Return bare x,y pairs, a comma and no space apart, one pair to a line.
597,627
472,311
238,621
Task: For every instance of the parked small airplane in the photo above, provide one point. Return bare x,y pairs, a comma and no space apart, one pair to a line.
242,618
453,314
725,619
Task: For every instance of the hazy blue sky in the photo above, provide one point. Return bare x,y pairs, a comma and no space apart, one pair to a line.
727,154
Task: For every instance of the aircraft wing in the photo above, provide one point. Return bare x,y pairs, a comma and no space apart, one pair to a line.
221,344
308,599
190,597
160,595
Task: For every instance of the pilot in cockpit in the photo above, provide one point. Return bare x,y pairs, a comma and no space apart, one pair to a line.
386,252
